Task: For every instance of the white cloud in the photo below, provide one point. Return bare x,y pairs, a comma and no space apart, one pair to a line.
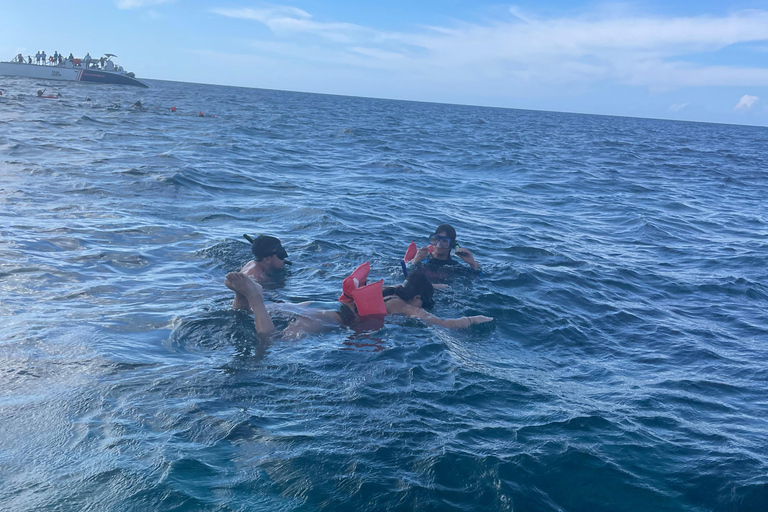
265,15
287,20
518,13
677,107
746,102
135,4
612,44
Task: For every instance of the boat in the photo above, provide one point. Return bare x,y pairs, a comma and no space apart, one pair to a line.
102,70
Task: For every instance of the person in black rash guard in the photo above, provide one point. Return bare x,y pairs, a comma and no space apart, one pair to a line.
435,259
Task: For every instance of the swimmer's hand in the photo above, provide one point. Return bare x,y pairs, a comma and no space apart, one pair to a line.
467,256
479,319
421,255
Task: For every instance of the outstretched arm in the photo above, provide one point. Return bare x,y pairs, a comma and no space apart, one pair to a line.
451,323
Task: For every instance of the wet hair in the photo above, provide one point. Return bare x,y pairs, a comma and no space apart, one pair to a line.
449,231
417,283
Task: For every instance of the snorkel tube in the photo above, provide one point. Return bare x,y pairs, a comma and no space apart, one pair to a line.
410,253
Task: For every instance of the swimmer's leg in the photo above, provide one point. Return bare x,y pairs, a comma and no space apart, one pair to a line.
312,322
240,302
251,290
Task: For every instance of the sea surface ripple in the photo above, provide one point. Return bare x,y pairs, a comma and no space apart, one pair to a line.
624,265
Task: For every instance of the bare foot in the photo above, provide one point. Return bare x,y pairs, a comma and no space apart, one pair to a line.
245,286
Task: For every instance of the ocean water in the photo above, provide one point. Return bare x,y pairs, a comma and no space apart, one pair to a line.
625,265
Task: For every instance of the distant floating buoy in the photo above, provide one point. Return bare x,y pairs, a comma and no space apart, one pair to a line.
173,109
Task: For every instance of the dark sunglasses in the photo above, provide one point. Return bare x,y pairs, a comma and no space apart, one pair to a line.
280,252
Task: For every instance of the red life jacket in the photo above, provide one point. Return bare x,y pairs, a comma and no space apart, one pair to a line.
367,297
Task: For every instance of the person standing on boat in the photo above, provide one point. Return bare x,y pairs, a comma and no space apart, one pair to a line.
42,57
55,56
71,58
87,59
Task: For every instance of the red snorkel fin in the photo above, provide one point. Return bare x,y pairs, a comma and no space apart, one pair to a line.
410,253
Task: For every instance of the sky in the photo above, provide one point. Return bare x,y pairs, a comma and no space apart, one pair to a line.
688,60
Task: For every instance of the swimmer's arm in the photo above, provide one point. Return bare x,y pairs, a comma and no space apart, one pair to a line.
450,323
468,258
421,255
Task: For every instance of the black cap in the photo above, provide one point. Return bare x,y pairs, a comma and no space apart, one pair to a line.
264,246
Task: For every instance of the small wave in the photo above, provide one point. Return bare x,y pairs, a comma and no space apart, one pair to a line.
231,254
133,171
89,120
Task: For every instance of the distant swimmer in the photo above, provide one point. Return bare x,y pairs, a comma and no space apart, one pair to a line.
50,96
409,299
269,257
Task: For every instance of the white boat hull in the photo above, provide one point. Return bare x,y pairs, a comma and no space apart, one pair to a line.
69,74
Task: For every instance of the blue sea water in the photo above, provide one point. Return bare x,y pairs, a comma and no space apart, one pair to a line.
625,265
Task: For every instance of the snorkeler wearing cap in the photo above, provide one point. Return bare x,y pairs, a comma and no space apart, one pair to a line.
435,259
268,256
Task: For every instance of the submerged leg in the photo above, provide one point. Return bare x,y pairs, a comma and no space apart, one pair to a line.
311,322
244,285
